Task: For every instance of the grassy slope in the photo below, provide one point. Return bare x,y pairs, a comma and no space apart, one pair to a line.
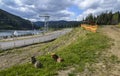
78,48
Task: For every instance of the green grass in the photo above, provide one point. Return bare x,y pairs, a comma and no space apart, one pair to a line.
71,74
118,25
85,49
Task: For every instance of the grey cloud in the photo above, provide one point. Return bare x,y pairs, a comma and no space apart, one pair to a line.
31,9
28,2
9,3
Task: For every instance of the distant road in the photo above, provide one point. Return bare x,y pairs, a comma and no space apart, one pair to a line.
33,40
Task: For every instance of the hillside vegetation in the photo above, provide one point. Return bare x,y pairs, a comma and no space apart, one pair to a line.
80,49
105,18
9,21
59,24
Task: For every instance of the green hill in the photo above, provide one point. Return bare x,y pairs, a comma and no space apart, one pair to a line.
11,22
80,49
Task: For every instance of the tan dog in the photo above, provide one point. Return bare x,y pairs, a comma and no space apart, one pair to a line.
60,60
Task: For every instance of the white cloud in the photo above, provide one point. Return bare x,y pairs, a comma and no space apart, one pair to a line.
31,9
85,4
97,6
58,9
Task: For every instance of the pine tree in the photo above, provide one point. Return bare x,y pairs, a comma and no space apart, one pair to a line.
106,18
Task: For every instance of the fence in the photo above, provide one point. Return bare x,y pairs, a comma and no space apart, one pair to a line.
25,42
90,27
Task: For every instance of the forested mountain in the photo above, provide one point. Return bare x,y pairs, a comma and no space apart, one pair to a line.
59,24
11,22
107,18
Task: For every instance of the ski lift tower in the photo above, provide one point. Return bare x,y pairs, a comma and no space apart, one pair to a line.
46,22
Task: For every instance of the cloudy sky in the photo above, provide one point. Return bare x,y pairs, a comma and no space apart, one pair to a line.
58,9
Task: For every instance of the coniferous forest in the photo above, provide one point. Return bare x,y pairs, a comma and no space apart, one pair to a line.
107,18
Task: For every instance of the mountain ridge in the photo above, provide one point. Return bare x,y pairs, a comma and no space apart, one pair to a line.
58,24
9,21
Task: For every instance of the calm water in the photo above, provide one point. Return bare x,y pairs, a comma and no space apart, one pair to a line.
4,33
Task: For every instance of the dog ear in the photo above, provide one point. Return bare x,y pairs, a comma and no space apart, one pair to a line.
53,54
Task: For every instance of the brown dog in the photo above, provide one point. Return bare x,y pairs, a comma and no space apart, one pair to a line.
56,58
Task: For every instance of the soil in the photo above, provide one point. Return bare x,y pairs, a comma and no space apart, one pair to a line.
113,33
18,56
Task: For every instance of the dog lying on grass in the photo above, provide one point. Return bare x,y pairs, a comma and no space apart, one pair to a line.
57,58
35,62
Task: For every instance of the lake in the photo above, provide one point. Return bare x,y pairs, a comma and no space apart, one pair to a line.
10,33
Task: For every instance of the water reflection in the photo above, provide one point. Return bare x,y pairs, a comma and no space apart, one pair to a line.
11,33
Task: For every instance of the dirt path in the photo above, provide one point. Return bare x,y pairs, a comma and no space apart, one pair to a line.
101,69
113,33
106,67
18,56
